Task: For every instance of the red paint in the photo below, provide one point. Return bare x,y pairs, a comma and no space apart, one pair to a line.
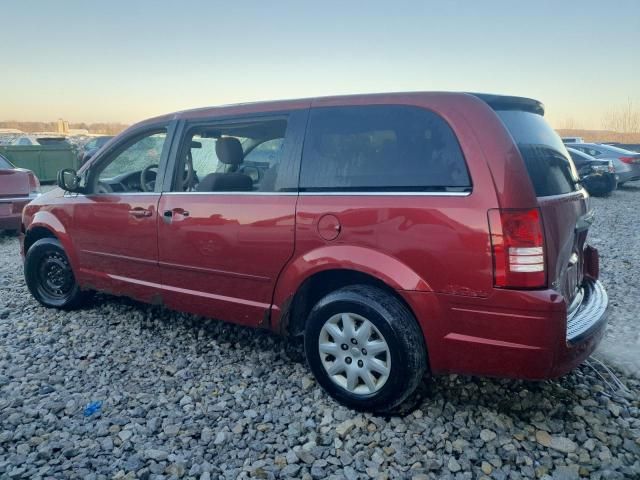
242,258
17,188
225,256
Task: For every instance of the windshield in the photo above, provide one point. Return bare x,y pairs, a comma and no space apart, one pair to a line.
549,165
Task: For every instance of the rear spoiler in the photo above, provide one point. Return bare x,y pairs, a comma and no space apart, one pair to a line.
504,102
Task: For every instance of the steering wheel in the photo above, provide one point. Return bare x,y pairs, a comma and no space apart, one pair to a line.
102,187
148,186
188,178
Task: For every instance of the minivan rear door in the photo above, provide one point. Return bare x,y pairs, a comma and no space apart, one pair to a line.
566,215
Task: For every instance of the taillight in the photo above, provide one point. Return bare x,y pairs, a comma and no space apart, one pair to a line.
630,160
34,184
517,243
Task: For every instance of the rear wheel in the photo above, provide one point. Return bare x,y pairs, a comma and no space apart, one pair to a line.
365,348
49,276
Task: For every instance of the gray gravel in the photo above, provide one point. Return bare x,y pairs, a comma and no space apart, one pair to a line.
616,234
185,397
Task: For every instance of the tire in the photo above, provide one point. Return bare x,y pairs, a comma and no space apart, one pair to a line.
49,276
384,318
601,186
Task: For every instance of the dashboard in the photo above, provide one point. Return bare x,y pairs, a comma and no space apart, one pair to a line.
127,182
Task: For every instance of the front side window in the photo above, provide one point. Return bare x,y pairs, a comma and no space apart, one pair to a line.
238,157
381,148
132,167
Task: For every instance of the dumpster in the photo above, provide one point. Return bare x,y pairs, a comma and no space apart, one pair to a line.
43,160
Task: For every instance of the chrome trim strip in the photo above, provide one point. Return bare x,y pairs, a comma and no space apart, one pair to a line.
18,199
287,194
589,315
119,194
388,194
333,194
284,194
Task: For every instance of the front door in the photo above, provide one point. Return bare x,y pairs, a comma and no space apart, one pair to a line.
114,226
227,225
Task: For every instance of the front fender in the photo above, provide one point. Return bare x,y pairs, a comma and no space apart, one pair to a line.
385,268
47,220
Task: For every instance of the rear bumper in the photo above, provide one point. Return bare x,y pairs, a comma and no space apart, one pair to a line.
11,211
516,334
627,173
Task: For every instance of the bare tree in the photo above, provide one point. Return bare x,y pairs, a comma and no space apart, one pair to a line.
623,119
569,123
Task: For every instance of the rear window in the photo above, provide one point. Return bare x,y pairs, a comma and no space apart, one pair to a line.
618,150
4,163
545,156
381,148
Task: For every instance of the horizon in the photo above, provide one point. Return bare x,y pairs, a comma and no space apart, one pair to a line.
162,57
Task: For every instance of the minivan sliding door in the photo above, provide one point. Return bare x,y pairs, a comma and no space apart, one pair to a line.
226,226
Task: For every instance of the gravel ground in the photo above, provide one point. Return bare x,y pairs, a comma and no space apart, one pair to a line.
616,234
185,397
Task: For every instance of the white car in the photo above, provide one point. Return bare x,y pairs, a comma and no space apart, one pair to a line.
25,140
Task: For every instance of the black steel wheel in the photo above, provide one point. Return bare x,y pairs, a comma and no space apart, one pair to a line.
49,275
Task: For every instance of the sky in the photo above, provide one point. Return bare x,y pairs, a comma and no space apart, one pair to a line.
124,61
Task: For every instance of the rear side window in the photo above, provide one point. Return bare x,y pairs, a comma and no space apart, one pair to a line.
381,148
545,156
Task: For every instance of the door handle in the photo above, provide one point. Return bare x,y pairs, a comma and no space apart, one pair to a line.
140,212
168,215
180,211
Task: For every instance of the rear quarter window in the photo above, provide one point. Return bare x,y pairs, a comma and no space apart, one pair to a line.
381,148
548,163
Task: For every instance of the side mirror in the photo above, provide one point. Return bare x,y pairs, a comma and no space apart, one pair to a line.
68,180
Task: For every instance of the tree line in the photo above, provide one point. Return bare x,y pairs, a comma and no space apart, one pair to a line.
103,128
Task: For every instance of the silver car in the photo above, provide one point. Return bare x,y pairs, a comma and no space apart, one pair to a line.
625,162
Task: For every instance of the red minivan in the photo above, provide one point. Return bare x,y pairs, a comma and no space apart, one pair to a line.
400,234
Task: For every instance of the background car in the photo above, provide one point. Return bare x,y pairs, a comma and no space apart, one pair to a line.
633,147
25,140
31,140
18,187
566,140
597,176
91,147
625,162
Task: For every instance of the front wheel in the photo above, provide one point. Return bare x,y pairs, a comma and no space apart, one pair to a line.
49,276
365,348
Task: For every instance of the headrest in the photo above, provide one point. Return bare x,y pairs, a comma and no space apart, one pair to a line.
229,150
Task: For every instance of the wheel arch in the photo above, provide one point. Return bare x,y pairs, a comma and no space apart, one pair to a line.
46,225
313,275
